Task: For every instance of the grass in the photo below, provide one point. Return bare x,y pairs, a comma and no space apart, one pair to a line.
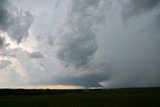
136,97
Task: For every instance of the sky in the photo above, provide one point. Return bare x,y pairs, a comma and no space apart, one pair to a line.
65,44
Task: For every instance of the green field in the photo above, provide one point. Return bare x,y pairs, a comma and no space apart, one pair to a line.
135,97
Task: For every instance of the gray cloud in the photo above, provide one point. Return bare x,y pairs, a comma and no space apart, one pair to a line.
87,80
90,41
138,7
4,15
36,55
77,38
2,42
47,38
16,25
20,27
96,72
4,63
91,76
78,51
157,22
75,44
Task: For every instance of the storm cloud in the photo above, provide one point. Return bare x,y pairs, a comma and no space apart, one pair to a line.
20,27
87,80
16,24
80,43
4,15
136,7
2,42
77,36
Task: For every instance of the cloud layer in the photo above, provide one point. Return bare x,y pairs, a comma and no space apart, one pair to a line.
16,24
136,8
77,43
80,42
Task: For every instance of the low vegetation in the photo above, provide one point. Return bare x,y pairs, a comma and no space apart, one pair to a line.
135,97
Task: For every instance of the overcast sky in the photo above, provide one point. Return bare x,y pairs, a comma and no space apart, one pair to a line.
80,43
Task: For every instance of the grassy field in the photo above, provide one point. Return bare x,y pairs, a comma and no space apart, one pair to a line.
135,97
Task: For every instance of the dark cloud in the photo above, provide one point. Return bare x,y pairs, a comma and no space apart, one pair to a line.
77,40
81,5
96,73
83,42
4,15
19,29
87,80
135,8
78,51
138,7
36,55
157,22
16,25
91,76
2,42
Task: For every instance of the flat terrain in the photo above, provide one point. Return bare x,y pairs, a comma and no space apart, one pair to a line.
135,97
